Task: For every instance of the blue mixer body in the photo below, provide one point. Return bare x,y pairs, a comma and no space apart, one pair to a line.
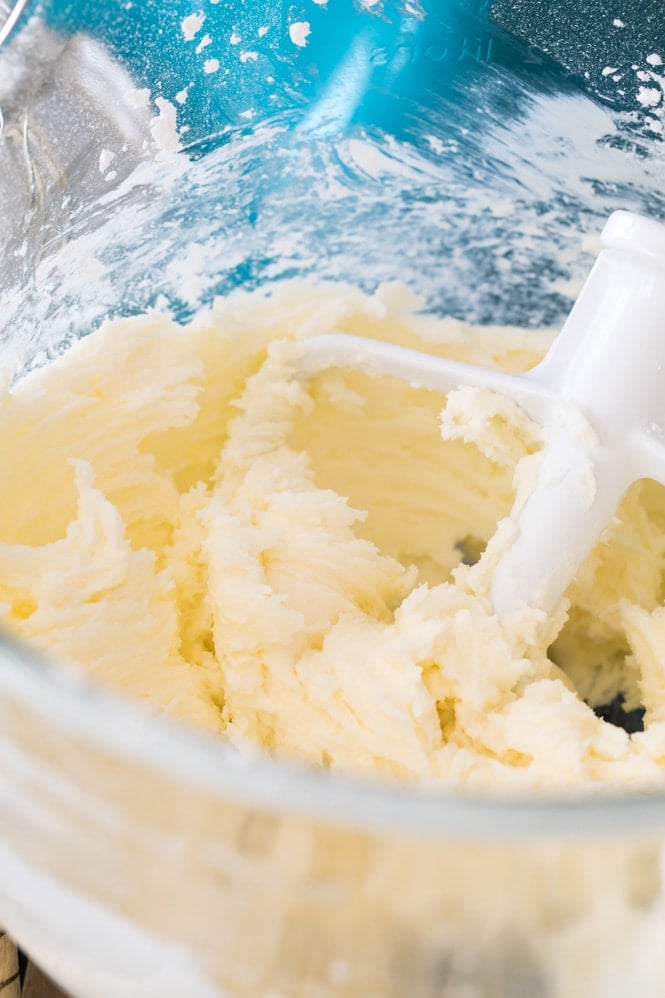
359,64
366,62
471,148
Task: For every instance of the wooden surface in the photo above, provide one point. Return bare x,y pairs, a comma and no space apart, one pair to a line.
10,981
37,985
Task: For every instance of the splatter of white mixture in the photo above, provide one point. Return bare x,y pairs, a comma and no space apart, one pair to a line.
299,32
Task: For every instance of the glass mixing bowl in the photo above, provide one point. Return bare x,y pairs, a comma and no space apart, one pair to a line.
140,165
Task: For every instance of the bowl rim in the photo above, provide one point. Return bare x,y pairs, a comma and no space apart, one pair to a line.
130,732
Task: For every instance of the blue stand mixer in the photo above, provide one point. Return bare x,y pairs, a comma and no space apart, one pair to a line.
490,140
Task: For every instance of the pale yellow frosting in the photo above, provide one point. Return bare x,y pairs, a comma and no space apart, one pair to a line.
279,562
